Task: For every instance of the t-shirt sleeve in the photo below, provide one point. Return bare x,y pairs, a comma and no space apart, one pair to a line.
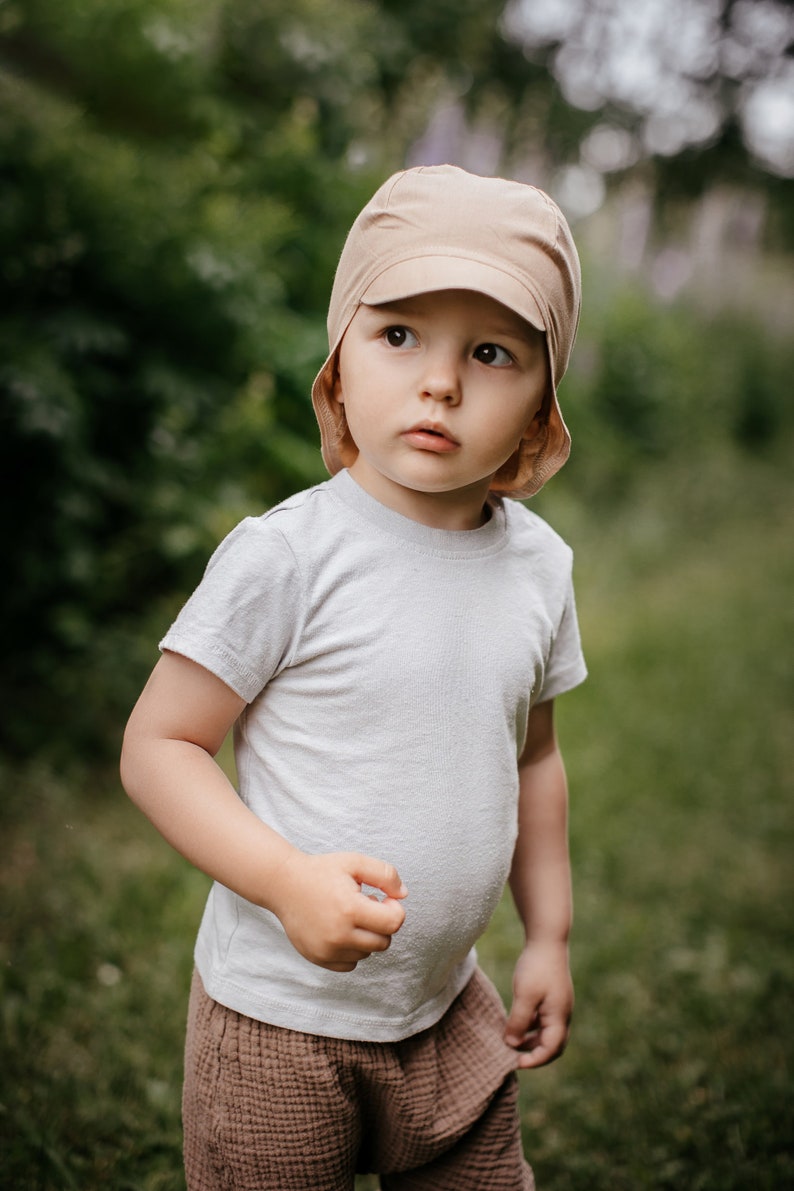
241,622
565,667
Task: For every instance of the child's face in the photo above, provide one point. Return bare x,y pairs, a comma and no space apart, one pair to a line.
438,391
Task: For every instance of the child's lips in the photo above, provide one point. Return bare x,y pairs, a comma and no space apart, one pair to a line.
431,436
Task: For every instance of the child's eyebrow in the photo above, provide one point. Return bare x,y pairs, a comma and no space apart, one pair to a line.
526,333
522,331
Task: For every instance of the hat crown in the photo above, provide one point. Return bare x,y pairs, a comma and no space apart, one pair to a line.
433,212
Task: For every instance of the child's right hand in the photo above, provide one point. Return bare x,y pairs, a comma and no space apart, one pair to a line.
327,917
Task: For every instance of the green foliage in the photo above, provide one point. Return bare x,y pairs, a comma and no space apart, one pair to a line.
654,386
148,267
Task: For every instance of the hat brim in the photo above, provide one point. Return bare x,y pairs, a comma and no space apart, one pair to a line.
429,274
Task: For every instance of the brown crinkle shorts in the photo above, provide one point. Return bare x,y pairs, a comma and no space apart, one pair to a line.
268,1109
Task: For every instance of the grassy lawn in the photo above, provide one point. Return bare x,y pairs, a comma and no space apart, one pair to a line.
680,755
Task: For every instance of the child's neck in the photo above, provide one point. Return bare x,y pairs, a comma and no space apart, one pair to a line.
461,509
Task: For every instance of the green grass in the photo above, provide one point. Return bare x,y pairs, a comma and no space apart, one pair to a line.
680,756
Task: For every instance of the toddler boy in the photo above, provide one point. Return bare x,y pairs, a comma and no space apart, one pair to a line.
388,646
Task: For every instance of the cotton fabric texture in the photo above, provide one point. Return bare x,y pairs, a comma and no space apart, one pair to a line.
438,227
268,1109
389,670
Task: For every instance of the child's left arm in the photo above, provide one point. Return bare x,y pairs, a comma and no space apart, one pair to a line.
540,881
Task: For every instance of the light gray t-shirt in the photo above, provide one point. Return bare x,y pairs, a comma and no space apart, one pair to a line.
388,669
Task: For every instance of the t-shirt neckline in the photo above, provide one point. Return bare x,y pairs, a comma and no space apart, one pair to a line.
463,542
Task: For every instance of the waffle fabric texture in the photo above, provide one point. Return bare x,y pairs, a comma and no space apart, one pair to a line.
268,1109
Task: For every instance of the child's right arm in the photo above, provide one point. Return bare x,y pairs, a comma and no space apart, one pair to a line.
168,770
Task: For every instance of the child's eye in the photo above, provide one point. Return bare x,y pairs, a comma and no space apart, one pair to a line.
399,337
492,353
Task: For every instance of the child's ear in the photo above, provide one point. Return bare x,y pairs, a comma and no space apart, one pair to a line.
345,449
534,428
337,393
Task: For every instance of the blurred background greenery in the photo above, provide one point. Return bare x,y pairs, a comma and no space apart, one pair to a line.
177,181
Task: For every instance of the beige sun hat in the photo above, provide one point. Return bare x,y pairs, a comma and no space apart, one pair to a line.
436,228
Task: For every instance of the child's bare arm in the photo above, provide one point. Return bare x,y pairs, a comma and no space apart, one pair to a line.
169,771
540,882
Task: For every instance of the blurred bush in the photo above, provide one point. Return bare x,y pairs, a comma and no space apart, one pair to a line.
165,224
667,387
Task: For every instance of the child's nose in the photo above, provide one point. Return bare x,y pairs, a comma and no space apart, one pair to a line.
441,378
